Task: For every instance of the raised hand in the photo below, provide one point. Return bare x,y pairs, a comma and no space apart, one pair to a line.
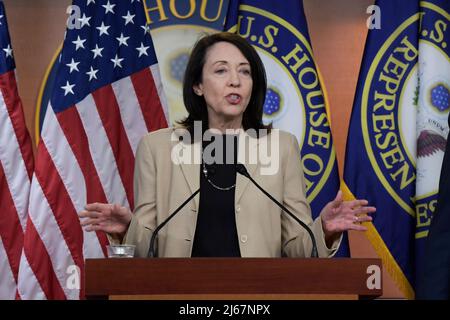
110,218
339,215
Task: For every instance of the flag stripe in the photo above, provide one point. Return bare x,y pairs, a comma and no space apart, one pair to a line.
91,190
69,171
156,75
13,103
7,281
109,112
16,165
104,161
132,118
29,289
40,263
13,163
146,92
68,242
11,233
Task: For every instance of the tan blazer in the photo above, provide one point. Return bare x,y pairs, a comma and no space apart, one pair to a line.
161,185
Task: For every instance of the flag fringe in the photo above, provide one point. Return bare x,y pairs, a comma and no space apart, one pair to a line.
383,252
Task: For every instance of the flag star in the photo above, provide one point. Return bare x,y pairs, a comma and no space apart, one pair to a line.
84,20
109,7
9,51
73,66
123,40
79,43
129,18
117,62
92,74
1,17
68,88
142,50
103,29
90,1
97,51
146,28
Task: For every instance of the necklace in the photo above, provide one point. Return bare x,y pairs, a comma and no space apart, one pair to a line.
205,173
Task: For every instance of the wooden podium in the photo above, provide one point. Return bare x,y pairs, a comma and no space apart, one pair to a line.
231,278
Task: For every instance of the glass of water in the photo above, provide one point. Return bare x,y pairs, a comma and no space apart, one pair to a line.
120,250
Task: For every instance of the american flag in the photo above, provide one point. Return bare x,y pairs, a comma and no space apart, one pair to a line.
16,167
107,94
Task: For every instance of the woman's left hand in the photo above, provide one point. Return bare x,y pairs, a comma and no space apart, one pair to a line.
339,215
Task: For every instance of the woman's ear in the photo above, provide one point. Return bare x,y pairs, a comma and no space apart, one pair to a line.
198,89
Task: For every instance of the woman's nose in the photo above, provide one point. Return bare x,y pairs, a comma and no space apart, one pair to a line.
234,80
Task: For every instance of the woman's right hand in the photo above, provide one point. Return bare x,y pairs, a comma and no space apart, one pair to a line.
110,218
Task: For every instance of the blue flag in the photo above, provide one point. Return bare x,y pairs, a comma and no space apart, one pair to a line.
398,129
295,101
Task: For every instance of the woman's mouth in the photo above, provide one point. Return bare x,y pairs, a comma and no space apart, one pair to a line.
233,98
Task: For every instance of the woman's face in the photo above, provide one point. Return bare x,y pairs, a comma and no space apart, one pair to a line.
226,83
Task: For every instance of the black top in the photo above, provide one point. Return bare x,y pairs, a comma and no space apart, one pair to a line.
216,233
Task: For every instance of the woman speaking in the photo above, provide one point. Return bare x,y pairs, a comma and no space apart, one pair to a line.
224,90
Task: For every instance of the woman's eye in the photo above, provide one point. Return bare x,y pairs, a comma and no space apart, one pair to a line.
220,71
246,72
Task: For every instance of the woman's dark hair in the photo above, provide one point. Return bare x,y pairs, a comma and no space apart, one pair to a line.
196,105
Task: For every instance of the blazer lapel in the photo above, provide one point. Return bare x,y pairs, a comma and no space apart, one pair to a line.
191,169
